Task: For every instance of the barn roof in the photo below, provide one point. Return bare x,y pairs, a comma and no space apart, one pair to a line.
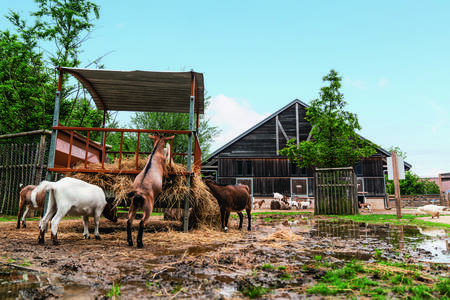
218,151
142,91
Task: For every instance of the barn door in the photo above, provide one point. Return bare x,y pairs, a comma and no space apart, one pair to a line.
299,187
248,182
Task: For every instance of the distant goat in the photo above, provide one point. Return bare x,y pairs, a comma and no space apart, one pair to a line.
365,205
74,197
258,203
305,204
231,198
433,210
29,203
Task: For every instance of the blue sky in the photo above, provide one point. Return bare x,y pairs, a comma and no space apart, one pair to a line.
257,56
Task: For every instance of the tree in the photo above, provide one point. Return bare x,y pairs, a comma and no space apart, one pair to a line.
175,121
27,87
398,151
334,141
413,185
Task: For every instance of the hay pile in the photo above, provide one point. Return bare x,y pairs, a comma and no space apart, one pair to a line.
205,210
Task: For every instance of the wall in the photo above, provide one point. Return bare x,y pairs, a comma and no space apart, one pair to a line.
417,200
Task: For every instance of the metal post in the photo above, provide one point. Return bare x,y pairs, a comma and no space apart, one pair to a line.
189,155
51,155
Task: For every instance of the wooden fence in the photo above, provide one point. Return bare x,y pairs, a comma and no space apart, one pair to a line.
336,192
20,163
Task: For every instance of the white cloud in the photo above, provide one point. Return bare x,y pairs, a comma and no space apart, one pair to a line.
441,117
232,117
359,84
383,82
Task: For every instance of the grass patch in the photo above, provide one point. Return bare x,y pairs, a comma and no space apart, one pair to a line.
255,291
379,281
407,219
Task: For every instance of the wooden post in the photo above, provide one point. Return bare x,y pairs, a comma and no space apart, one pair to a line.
398,200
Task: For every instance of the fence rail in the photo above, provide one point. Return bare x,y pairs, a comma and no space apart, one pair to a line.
20,163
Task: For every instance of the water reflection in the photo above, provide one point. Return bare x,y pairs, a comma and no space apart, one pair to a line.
21,283
425,240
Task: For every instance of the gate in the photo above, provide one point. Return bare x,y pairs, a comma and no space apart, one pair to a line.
22,158
336,192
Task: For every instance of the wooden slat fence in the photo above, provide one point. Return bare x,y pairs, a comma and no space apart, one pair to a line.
336,192
20,163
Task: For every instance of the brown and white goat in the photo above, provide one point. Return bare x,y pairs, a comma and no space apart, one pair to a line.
231,198
146,188
28,203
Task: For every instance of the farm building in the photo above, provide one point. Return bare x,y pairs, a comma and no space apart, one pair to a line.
252,158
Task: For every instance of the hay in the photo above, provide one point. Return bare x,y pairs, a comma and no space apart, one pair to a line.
205,210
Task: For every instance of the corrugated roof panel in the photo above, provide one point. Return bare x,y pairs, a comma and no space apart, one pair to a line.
141,91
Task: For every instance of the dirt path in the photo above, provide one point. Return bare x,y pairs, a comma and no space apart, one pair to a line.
199,264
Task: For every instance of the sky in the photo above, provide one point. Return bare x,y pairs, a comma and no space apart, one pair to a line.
258,56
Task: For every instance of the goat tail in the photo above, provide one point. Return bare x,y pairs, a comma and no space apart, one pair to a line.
43,186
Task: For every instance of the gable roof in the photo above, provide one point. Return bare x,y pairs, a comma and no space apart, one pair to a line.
295,101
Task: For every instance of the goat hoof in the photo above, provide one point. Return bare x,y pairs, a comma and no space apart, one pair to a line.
140,245
41,241
130,243
97,237
55,242
24,225
18,227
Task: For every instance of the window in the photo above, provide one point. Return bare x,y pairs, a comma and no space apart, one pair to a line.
358,169
293,166
248,168
239,168
303,172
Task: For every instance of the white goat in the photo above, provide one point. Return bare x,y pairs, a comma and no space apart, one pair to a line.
305,204
76,197
278,196
292,203
433,210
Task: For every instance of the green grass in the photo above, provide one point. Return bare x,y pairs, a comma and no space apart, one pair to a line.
379,281
407,219
115,291
255,291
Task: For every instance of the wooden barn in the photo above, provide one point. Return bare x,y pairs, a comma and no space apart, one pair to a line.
253,158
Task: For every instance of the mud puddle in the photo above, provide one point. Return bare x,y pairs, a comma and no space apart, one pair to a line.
279,253
22,283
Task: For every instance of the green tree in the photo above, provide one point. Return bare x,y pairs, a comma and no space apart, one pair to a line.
413,185
65,23
175,121
398,151
26,85
334,141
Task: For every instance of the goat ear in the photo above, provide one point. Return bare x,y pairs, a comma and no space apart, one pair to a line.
131,194
169,138
151,136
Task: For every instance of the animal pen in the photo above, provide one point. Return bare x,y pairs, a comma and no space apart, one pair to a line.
72,150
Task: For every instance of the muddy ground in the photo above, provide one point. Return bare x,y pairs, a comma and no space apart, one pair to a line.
203,264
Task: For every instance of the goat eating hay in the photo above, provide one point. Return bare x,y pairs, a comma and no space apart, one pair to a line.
205,210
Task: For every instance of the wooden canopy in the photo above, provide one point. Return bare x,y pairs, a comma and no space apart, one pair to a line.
141,91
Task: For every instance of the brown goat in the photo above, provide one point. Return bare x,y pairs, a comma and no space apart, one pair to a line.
258,203
146,188
27,204
231,198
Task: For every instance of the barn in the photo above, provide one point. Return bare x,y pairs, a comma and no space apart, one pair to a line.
253,158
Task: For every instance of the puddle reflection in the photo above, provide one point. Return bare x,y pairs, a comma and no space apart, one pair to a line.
21,283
